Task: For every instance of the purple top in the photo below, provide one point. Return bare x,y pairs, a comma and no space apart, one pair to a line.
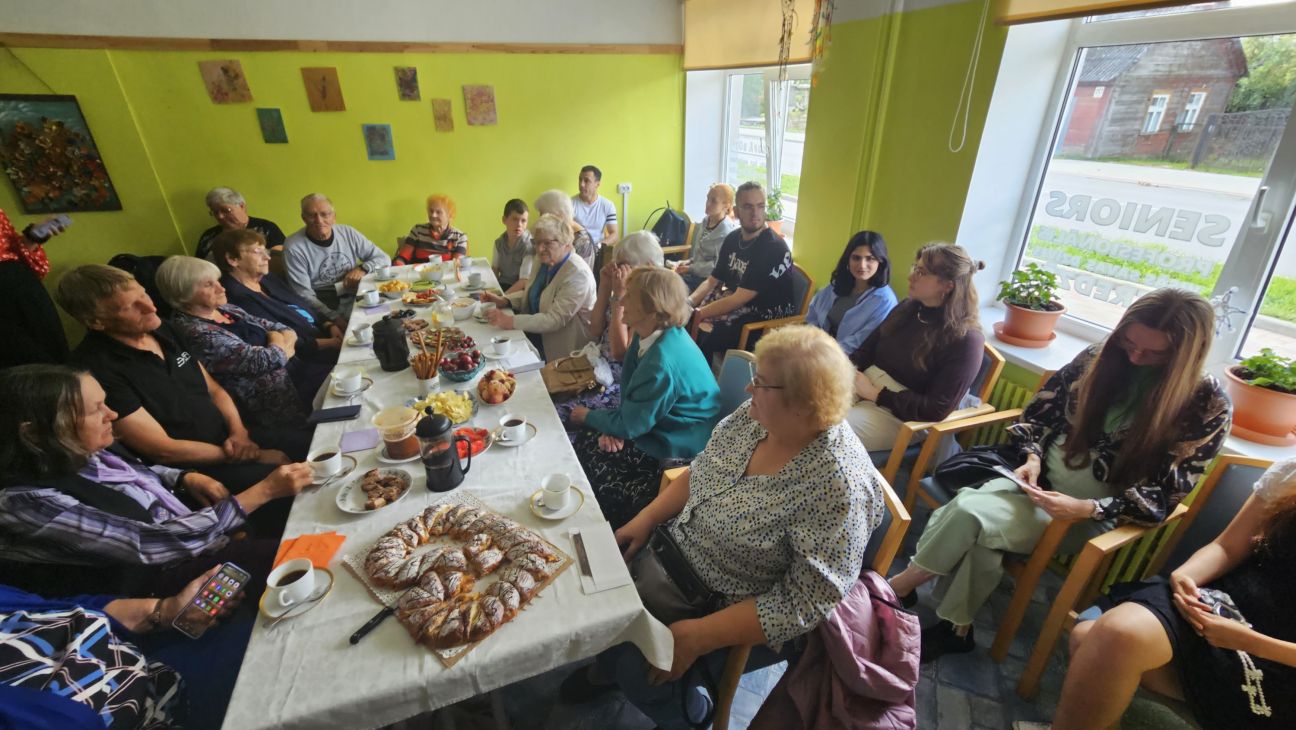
117,474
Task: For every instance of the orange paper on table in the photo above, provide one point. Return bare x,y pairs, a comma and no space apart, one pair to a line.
319,549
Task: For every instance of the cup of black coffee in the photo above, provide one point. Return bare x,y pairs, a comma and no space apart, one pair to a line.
325,463
290,584
512,427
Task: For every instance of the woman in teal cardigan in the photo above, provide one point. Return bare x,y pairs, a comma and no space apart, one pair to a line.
670,401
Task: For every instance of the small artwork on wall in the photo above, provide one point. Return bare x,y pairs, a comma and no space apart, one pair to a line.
272,126
442,116
407,83
48,152
323,89
225,81
378,142
479,104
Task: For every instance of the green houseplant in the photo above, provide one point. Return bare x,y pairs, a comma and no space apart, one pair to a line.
774,210
1263,389
1030,298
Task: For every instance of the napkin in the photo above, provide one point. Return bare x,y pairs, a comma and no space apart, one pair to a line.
319,548
361,440
522,362
607,567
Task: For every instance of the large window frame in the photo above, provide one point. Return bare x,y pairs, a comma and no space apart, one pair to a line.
1253,256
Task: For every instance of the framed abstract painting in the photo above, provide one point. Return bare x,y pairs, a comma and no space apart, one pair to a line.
50,156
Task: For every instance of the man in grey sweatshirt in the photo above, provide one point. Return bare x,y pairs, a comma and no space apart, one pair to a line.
325,260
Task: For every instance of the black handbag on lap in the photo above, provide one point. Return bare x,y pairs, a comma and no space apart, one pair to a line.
976,465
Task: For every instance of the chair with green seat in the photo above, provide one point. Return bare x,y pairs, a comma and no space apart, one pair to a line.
904,451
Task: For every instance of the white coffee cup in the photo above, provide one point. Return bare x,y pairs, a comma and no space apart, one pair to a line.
370,298
475,279
557,490
285,595
484,309
364,333
348,380
501,346
325,463
383,272
512,427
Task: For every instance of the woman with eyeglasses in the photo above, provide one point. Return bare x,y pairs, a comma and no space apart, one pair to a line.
859,296
919,363
557,302
1120,434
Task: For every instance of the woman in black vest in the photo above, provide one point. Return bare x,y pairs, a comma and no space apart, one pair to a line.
67,498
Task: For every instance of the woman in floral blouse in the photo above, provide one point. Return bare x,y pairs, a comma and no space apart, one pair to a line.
774,516
1120,434
253,358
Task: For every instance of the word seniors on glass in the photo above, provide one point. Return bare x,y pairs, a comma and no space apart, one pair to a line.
1208,229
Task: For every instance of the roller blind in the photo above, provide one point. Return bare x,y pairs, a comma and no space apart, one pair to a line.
1030,11
742,33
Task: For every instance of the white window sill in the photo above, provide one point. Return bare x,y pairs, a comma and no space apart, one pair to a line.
1063,349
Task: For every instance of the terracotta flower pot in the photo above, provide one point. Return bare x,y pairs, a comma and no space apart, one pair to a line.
1261,415
776,226
1028,327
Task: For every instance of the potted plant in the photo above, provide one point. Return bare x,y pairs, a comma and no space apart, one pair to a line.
1263,389
1033,309
774,210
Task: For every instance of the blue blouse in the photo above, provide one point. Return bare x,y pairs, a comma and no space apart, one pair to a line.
859,321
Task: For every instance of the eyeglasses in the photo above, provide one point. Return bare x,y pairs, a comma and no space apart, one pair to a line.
751,206
920,270
755,383
547,242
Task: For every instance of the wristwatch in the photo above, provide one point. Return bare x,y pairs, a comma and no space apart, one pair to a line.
1097,510
154,619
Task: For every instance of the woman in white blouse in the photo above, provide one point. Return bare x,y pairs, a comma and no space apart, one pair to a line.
774,517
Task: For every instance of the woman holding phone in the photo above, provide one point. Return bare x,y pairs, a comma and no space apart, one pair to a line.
1120,434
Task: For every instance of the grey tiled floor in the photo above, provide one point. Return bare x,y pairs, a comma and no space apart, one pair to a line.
958,692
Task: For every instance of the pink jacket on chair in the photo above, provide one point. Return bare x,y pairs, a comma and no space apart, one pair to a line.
859,668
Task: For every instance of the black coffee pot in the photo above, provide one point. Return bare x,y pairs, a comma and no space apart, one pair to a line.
391,345
438,450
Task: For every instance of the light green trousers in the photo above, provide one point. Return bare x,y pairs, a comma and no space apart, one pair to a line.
965,540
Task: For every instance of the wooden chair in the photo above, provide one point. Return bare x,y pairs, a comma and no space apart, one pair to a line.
802,290
883,545
904,452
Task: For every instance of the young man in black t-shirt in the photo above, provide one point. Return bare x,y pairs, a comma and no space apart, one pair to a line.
750,281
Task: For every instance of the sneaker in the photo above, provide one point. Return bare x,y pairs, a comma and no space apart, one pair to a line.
578,688
940,640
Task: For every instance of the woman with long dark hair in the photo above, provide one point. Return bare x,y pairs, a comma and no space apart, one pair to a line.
918,364
859,296
1120,434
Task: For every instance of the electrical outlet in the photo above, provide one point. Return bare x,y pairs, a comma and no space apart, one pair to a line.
623,188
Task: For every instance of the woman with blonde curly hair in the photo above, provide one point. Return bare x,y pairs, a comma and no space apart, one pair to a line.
436,239
773,518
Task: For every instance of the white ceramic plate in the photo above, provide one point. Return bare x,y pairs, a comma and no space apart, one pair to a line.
530,434
574,503
351,498
366,382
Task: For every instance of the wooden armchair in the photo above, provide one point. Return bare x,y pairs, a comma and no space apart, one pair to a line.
802,290
682,250
903,450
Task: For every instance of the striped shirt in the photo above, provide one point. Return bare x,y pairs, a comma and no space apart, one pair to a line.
419,245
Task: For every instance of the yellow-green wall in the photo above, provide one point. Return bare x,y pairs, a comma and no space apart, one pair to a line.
165,143
877,137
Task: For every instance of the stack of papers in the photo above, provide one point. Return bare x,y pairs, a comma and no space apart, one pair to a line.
523,361
319,548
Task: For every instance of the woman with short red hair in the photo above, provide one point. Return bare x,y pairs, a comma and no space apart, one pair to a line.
436,238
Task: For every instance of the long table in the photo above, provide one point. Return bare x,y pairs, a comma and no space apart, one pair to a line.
304,673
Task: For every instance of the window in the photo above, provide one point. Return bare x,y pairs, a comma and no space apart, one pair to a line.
765,123
1126,203
1098,91
1155,110
1191,110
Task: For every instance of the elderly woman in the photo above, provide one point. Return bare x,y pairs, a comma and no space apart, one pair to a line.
859,296
555,202
229,209
71,498
607,324
670,400
556,303
704,246
773,518
1122,433
919,363
244,263
436,238
252,358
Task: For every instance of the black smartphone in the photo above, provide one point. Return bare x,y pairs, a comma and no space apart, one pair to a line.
341,413
200,613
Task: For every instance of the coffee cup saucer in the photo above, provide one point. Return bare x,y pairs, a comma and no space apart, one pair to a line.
492,356
573,505
323,586
353,342
384,458
499,436
346,469
366,382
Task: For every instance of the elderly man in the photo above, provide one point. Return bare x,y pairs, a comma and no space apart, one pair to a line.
326,260
593,211
750,281
229,209
170,409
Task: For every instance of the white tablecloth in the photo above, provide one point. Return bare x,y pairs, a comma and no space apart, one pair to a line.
304,673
